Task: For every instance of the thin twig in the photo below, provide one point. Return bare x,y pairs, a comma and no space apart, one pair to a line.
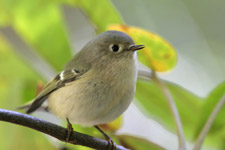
28,54
208,124
144,74
172,105
54,130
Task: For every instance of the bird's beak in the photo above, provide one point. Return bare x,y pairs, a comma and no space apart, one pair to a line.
135,47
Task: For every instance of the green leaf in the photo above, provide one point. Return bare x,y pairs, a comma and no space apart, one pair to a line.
17,137
101,13
14,70
40,24
154,104
210,103
136,143
13,77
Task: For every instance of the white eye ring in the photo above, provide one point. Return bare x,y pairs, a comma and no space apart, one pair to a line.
116,48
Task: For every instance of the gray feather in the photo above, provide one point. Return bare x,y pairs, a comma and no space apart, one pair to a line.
59,81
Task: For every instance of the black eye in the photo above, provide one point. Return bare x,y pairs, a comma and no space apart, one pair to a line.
115,48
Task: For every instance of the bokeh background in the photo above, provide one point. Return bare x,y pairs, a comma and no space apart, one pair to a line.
38,37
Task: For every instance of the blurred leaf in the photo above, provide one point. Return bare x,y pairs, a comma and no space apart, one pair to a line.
112,126
3,16
14,70
15,75
101,13
75,147
136,143
150,98
41,25
17,137
210,103
30,90
11,65
158,54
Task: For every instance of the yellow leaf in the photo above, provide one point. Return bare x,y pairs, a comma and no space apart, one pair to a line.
158,54
113,126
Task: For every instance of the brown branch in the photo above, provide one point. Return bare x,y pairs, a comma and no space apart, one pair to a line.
54,130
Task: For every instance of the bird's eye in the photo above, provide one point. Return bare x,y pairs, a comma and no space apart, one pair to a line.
115,48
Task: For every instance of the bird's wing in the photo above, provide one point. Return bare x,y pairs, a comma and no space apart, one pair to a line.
59,81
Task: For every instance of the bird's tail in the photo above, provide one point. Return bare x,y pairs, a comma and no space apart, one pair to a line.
27,106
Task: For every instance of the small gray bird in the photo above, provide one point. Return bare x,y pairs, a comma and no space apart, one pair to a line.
97,84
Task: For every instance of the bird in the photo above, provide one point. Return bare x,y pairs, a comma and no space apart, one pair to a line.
96,86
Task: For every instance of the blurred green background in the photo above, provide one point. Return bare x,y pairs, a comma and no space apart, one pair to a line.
38,37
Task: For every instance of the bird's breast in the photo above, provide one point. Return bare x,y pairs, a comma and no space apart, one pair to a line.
97,97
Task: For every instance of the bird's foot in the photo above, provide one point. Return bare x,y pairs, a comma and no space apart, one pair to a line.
112,144
69,130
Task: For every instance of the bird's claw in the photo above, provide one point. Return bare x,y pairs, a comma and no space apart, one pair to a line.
112,144
69,130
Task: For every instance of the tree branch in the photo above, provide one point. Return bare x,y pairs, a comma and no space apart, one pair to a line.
209,123
145,74
54,130
172,105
